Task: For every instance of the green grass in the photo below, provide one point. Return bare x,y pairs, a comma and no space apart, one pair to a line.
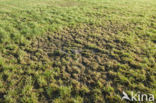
76,51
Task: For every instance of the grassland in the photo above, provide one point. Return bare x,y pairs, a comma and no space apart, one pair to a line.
76,51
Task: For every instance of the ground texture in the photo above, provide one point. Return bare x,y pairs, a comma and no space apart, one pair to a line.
76,51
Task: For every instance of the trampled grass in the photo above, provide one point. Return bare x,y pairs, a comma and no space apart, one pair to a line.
76,51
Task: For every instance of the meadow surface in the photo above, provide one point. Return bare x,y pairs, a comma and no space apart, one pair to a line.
76,51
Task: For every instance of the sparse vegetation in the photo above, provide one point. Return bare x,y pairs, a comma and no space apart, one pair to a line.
76,51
